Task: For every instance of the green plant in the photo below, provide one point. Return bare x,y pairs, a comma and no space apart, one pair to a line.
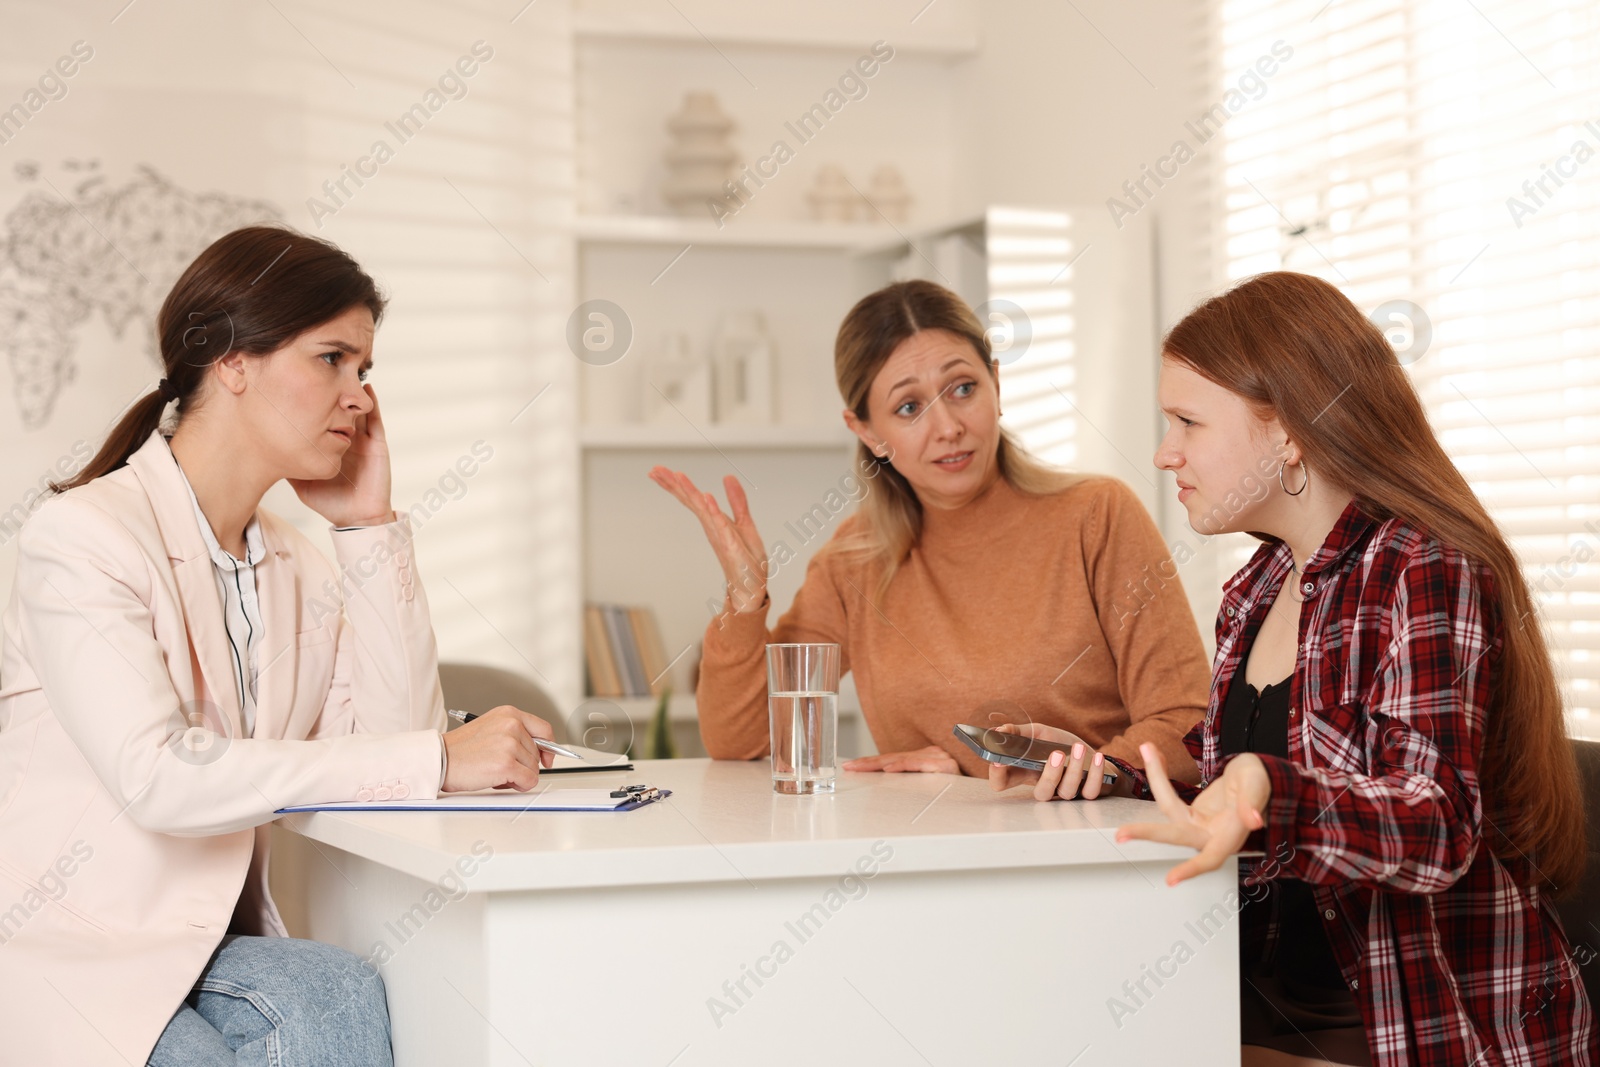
660,744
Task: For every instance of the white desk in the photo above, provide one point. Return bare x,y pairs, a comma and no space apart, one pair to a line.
994,929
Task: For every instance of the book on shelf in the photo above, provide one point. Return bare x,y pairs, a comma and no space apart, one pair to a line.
603,680
623,649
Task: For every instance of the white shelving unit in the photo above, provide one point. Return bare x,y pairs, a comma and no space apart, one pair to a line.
737,233
820,262
607,26
674,275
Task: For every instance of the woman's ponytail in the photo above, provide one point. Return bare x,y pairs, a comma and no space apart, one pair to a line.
130,433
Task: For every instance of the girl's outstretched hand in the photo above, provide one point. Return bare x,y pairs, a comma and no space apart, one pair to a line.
1218,821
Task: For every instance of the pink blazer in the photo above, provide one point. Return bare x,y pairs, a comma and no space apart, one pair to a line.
132,814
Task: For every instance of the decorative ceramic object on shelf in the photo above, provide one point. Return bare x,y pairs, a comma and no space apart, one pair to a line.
890,196
677,384
701,158
742,355
832,197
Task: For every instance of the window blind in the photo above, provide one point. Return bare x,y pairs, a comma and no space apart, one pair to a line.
1440,161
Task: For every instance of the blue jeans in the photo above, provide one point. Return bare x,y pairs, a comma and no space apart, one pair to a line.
280,1002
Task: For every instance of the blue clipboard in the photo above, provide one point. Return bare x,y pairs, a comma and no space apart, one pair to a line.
625,798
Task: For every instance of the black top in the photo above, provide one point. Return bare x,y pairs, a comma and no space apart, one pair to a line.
1256,722
1259,722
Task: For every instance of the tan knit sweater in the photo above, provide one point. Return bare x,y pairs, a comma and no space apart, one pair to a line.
1063,609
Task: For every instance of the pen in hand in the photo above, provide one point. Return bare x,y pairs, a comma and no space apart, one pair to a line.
464,717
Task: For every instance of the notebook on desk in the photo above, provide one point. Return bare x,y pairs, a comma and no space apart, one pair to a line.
593,759
550,799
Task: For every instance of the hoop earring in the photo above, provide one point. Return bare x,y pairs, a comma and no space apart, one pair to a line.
1303,484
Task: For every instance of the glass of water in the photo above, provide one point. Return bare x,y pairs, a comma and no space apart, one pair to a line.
803,712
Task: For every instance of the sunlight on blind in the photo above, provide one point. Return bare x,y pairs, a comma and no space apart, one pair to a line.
1030,253
1445,155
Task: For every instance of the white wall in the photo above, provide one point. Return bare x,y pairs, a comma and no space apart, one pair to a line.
265,102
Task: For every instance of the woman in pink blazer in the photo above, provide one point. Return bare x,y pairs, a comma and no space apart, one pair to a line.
178,664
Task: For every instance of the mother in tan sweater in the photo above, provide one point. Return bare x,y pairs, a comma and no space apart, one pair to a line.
973,585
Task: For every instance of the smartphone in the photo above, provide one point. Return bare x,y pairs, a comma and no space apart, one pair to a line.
1016,750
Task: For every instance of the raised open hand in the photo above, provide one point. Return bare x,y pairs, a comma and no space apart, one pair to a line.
734,538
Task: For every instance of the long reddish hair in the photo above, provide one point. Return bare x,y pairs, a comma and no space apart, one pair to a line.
1294,346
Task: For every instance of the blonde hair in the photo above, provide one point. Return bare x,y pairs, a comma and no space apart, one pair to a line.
891,518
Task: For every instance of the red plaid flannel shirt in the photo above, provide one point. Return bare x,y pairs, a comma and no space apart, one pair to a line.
1454,961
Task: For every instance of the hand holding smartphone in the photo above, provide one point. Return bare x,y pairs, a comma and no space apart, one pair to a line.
1008,749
